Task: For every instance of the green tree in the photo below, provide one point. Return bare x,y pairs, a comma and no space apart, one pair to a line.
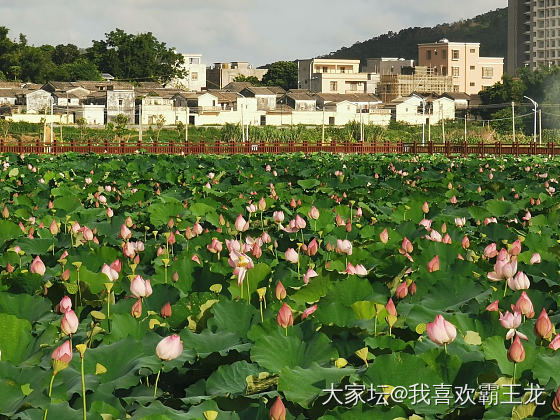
250,79
136,57
283,74
65,54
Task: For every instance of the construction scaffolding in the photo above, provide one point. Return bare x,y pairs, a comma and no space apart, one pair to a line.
423,80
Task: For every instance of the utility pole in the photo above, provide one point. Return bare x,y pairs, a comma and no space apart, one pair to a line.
361,127
187,127
513,119
140,122
466,116
540,127
323,128
535,106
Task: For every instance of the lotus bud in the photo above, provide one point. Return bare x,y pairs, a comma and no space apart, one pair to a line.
138,287
390,307
125,233
53,228
65,276
280,291
291,256
262,204
128,221
300,222
515,248
277,411
402,290
61,357
9,268
384,236
171,238
165,311
309,275
535,259
308,311
425,207
265,237
441,331
169,348
65,304
412,289
556,401
285,318
519,282
555,343
37,266
493,307
433,265
344,246
136,310
69,323
278,216
5,212
543,326
241,225
407,245
516,352
313,213
175,277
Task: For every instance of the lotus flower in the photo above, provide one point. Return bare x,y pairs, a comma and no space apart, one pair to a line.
441,331
165,311
63,353
390,307
280,291
285,317
555,343
384,236
516,352
490,251
111,274
515,248
53,228
460,221
312,248
425,207
138,287
277,411
433,264
524,305
308,275
402,290
556,401
313,213
241,225
511,321
535,258
344,246
109,212
240,263
136,310
197,228
215,246
278,216
169,348
543,326
519,282
308,311
65,304
37,266
69,323
406,246
291,256
125,233
493,307
426,223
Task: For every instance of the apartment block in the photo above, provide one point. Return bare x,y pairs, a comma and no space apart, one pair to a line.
195,78
332,76
420,80
461,60
533,33
222,74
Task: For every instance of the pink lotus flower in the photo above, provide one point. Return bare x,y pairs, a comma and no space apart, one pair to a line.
313,213
465,243
265,238
543,326
460,221
116,265
196,259
384,236
441,331
300,222
308,311
280,291
65,276
489,220
493,307
262,204
138,287
65,304
426,223
111,274
511,321
53,228
453,200
251,208
309,275
285,318
197,228
402,290
136,310
434,236
519,282
515,248
535,258
165,311
63,353
69,323
555,343
129,250
87,233
241,263
148,288
277,411
125,233
490,251
425,207
524,305
433,264
291,256
241,225
171,238
312,248
128,221
390,307
109,212
169,348
278,216
344,246
37,266
446,239
215,246
516,352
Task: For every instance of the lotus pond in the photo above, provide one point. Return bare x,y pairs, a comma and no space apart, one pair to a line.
278,287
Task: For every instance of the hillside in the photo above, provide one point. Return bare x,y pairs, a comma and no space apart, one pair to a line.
490,29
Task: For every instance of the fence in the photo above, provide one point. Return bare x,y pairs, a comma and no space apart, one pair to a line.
277,147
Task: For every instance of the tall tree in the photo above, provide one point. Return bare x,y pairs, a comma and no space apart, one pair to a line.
283,74
136,57
65,54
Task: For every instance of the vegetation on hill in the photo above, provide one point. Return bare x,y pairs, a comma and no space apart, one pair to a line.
490,29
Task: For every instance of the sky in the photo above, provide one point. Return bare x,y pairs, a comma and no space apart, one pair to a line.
257,31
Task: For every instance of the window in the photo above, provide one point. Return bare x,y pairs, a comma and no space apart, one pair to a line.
334,86
353,87
455,71
472,67
342,70
471,84
120,102
444,71
194,60
472,50
455,54
455,88
428,54
487,72
324,69
194,75
444,54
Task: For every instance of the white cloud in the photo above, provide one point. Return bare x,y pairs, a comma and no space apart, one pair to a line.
258,31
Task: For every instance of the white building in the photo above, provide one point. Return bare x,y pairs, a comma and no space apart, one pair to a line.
195,78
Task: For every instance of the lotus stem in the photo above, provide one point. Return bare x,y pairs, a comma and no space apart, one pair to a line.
157,380
445,347
248,290
50,393
286,330
165,273
261,308
514,369
505,288
84,389
375,326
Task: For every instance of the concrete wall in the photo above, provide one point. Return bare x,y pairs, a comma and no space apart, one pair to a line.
38,100
93,114
120,102
36,118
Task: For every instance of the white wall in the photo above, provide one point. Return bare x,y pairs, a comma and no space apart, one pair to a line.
36,118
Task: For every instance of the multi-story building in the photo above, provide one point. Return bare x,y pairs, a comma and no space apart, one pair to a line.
533,33
224,73
462,61
195,74
384,65
420,79
332,76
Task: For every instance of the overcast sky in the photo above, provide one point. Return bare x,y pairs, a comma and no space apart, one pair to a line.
258,31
